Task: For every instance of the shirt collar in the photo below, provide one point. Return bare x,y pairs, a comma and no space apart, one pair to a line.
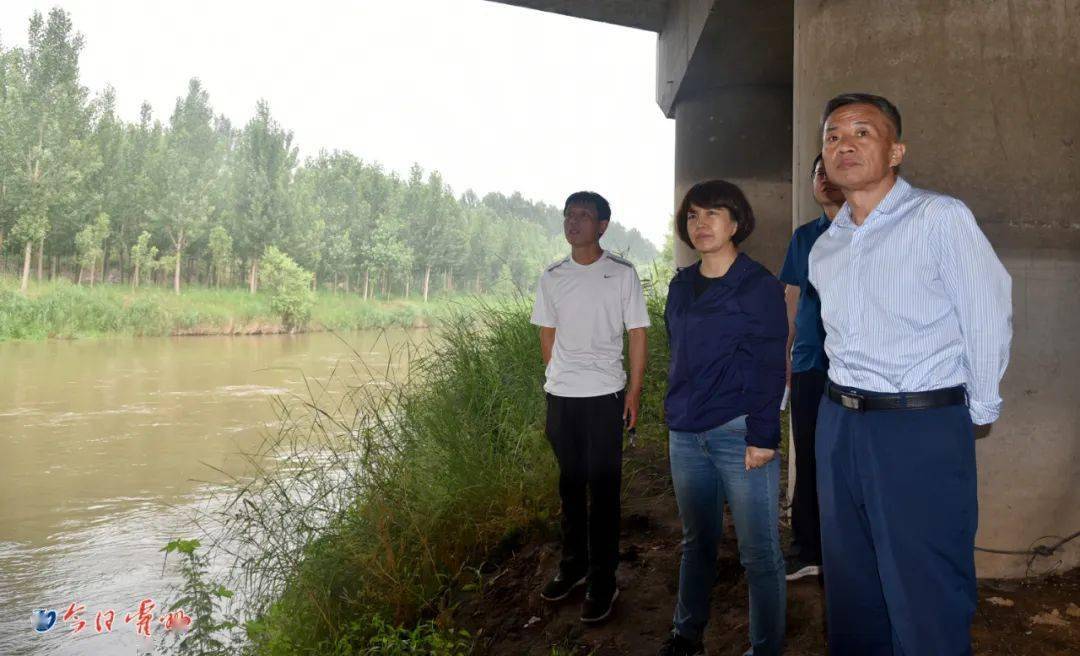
823,222
894,198
889,204
734,273
574,263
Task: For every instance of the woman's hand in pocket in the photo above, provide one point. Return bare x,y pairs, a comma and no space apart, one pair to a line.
757,457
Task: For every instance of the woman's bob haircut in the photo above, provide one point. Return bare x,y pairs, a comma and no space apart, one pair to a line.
712,195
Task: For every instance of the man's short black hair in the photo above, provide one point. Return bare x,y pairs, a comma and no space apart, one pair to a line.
887,108
603,209
711,195
813,167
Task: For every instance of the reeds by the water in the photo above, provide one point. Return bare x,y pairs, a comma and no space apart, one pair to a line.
371,508
382,499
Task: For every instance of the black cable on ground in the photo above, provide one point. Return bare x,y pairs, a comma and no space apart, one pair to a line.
1035,551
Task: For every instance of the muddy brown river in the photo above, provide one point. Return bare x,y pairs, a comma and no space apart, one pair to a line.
109,446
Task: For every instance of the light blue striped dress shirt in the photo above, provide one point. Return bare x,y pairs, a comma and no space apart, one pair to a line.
914,299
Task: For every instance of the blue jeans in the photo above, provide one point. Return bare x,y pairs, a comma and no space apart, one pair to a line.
708,469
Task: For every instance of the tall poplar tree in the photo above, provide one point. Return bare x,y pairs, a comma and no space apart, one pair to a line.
48,131
190,168
262,169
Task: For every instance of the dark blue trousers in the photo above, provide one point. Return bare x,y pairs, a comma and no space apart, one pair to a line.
899,510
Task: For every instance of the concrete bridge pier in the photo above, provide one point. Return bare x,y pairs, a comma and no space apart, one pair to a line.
724,75
990,99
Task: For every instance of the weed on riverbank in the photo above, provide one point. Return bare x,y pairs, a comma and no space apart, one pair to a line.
380,503
385,506
62,310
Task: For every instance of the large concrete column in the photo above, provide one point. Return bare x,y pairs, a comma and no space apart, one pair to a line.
724,75
741,134
991,107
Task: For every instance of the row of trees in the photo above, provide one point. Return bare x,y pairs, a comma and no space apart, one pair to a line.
196,199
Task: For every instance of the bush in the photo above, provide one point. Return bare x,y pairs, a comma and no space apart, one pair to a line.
289,285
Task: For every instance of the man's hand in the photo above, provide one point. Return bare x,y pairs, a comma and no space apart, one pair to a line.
630,410
756,457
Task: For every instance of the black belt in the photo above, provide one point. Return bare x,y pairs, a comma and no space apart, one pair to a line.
861,401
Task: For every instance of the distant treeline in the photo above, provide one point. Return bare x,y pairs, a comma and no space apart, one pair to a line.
87,195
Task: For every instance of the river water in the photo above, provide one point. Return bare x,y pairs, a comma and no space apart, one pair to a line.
110,445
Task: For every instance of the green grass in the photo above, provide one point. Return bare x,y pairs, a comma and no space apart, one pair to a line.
62,310
389,504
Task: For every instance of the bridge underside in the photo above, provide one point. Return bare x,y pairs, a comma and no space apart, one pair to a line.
991,115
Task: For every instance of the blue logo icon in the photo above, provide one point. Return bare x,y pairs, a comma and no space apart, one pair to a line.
43,620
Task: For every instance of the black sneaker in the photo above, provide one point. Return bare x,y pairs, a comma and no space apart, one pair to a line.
599,603
676,645
560,587
797,568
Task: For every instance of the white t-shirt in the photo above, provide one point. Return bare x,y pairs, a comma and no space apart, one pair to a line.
589,307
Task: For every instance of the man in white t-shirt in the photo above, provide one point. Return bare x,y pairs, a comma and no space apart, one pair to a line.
584,302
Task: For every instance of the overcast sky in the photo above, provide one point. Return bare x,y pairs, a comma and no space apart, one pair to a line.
497,98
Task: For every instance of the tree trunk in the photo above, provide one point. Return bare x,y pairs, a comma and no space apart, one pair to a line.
135,278
427,281
26,267
336,275
40,258
314,281
408,279
52,269
450,279
367,282
176,272
253,285
104,262
347,276
93,266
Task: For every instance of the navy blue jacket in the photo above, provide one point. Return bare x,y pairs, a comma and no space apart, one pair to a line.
727,351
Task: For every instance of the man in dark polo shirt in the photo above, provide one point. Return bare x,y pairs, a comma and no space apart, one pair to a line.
807,370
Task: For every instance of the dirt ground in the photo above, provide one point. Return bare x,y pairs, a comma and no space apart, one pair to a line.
1030,617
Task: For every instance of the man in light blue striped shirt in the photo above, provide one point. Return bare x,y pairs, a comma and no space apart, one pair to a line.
917,312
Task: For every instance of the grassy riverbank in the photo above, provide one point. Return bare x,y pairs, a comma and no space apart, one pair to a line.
63,310
390,508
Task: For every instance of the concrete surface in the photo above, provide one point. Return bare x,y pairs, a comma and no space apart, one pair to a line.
990,97
640,14
732,108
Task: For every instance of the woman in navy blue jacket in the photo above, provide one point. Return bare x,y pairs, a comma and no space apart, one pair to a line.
727,329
